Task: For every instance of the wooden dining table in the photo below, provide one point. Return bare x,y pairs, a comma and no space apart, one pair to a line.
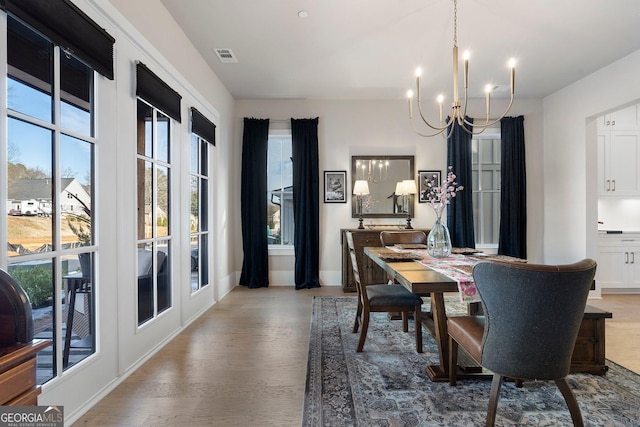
423,281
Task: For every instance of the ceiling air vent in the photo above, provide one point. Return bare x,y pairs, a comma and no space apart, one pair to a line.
225,55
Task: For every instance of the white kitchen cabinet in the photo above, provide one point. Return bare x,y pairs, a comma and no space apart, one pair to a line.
619,263
624,119
619,163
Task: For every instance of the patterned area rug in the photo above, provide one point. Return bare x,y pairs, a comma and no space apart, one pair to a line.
386,384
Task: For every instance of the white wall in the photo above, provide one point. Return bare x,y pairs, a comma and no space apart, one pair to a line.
147,34
570,195
379,127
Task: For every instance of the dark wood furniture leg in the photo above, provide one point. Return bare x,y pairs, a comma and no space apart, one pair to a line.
440,373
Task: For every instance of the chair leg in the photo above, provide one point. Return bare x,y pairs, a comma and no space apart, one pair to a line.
417,324
453,361
493,399
363,330
572,403
358,320
405,322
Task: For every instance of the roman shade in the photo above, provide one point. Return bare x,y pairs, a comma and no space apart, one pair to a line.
70,28
202,127
155,91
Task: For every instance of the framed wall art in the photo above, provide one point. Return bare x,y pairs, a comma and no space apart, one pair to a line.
335,186
428,180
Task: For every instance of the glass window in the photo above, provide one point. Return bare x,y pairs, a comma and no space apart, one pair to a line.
76,89
199,212
154,232
486,188
280,226
50,169
30,64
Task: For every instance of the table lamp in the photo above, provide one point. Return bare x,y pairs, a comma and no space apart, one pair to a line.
360,188
409,187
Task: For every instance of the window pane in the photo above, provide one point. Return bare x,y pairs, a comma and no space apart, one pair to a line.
204,260
145,129
274,165
286,225
145,199
30,189
76,85
273,218
195,257
491,211
76,159
194,153
204,203
195,213
287,165
162,208
162,276
30,61
145,282
163,138
204,157
488,180
27,100
36,278
78,308
280,190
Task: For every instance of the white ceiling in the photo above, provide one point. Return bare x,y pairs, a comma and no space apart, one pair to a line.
369,49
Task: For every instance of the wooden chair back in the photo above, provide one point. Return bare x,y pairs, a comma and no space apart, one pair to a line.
388,238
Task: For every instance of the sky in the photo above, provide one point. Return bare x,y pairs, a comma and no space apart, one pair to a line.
31,144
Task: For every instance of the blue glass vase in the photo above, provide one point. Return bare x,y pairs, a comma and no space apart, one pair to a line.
439,240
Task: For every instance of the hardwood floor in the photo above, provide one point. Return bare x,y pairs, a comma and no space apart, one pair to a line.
244,363
622,330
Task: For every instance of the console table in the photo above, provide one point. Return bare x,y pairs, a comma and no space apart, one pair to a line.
588,354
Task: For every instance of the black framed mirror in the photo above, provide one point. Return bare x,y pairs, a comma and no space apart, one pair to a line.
382,173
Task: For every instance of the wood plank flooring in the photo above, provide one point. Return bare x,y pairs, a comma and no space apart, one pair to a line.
622,330
244,363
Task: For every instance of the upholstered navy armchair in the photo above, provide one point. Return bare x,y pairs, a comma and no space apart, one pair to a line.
532,314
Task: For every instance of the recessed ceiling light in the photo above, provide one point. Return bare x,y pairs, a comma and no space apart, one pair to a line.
303,14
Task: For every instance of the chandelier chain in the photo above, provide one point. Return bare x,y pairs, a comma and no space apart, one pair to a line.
455,22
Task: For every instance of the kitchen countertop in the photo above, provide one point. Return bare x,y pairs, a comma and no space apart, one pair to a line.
616,232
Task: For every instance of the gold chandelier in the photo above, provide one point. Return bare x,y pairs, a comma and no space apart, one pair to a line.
458,109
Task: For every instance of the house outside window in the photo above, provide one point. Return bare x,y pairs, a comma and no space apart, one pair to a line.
50,148
280,224
486,170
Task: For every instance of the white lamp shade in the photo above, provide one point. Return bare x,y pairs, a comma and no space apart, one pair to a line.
361,187
400,189
409,186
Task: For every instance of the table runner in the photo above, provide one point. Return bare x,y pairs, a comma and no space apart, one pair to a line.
456,267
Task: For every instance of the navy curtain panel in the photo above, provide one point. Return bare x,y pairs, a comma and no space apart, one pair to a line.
460,211
513,199
253,203
306,205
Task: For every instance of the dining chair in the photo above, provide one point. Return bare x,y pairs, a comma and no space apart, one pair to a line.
388,238
532,314
382,298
